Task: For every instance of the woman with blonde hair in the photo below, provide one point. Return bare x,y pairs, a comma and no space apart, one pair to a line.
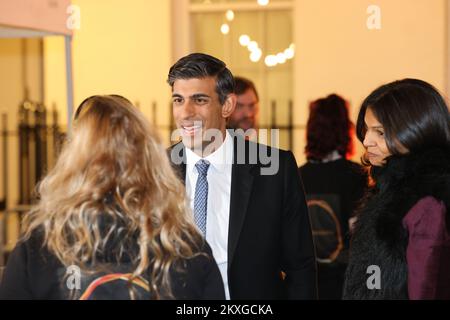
112,221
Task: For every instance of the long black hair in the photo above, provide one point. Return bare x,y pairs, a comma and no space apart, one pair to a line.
413,113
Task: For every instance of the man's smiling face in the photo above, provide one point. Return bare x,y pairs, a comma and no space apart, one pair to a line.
197,109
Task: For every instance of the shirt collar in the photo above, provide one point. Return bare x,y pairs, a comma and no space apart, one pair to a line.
219,159
332,156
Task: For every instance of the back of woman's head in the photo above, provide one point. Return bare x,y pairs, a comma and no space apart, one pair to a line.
329,128
113,188
115,149
413,114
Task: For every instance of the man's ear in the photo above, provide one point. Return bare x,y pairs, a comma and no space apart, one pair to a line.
229,105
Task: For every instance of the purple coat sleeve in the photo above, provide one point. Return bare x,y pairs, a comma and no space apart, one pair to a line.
428,251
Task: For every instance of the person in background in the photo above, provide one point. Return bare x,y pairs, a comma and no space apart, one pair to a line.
333,185
400,248
112,221
245,115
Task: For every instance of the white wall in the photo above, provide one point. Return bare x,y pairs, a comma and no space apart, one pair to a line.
122,47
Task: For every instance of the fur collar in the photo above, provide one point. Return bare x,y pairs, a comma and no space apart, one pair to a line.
407,179
380,238
429,170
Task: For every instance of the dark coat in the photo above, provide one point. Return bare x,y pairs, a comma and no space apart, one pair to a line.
380,237
269,229
34,273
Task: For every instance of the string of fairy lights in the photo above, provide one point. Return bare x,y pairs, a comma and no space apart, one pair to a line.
255,52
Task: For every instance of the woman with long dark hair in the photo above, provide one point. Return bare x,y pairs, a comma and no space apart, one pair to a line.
401,244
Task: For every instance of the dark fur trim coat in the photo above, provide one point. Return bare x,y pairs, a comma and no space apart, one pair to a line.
380,238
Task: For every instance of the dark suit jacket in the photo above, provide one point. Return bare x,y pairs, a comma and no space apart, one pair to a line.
269,229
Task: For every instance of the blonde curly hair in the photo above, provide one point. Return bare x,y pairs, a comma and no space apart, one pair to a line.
113,189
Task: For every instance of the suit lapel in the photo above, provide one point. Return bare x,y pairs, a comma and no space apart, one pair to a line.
241,187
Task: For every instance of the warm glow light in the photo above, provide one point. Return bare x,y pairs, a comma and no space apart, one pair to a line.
252,46
281,58
263,2
244,40
229,15
271,61
225,28
255,56
289,53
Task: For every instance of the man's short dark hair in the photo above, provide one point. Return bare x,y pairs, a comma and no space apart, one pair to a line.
200,65
243,84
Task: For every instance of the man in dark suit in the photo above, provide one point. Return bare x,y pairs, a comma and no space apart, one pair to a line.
246,198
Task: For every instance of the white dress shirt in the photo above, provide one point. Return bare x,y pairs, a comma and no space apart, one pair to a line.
218,207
